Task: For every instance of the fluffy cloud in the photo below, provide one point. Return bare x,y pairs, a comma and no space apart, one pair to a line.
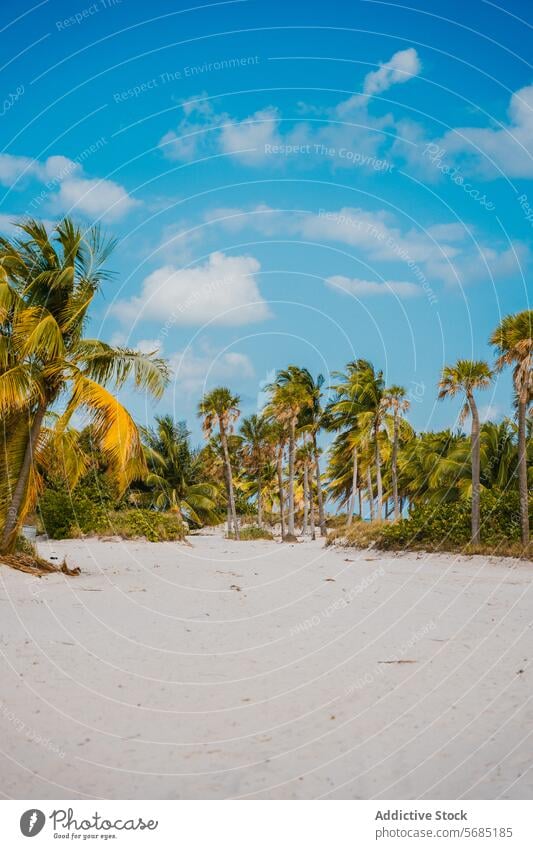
400,68
503,149
362,288
506,149
223,290
248,139
203,131
193,373
65,188
440,253
93,198
14,167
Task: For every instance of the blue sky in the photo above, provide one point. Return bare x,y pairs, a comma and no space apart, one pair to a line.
296,182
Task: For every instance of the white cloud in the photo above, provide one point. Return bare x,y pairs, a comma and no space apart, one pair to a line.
192,373
508,148
400,68
66,188
203,131
248,138
442,252
222,290
93,197
13,167
362,288
491,412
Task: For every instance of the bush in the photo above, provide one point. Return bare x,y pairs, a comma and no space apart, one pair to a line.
252,532
449,525
65,515
358,535
444,527
150,524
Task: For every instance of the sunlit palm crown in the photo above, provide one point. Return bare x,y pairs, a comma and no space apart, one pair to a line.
513,340
47,284
220,406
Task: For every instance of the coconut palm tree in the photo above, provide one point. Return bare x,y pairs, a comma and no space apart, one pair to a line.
288,399
341,415
47,285
255,432
221,408
311,419
513,340
278,435
175,473
394,399
466,376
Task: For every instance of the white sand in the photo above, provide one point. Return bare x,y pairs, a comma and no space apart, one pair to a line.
242,670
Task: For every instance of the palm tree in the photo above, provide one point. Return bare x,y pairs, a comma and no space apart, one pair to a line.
47,285
255,432
466,376
288,399
311,419
341,415
175,473
394,399
513,340
220,407
278,439
362,391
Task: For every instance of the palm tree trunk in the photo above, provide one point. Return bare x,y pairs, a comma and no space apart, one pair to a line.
229,476
353,496
229,517
370,492
312,510
259,502
280,489
379,482
475,471
292,450
360,493
319,496
13,512
306,499
395,439
522,468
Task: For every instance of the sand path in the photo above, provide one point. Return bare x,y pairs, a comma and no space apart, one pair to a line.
262,670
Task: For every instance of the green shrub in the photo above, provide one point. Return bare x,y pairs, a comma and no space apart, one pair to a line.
358,535
444,527
150,524
252,532
64,514
449,525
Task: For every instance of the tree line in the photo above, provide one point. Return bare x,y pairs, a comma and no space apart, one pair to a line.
269,466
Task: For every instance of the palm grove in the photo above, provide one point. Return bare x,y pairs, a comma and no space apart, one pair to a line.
257,472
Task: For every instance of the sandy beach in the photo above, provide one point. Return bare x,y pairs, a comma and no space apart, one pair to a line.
259,670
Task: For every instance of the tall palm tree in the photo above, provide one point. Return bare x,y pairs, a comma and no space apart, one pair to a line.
278,438
47,285
255,431
466,376
221,408
362,389
341,416
288,399
311,419
175,473
394,399
513,340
